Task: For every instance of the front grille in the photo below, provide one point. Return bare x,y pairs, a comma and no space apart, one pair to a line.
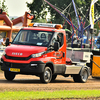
15,65
17,58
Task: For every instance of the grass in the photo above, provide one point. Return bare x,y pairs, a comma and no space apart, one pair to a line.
29,95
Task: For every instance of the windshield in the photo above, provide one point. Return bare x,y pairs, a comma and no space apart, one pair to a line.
33,37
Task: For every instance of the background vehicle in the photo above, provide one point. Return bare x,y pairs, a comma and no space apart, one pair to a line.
98,42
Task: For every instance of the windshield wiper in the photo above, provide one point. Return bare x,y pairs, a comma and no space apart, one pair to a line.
18,42
30,43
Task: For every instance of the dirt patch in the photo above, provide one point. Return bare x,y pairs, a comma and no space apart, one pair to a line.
33,83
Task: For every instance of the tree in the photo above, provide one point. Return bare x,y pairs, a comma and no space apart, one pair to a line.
3,6
38,7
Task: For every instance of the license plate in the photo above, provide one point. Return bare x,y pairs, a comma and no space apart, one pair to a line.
14,69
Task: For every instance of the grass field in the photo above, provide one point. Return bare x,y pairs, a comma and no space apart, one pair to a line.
30,95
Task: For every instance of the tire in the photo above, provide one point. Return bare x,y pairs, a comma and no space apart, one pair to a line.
9,75
76,78
46,76
53,77
82,77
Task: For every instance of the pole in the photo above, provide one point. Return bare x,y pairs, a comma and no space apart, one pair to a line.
76,13
61,14
91,31
78,22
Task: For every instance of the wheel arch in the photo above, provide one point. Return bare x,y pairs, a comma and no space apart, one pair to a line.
51,65
87,69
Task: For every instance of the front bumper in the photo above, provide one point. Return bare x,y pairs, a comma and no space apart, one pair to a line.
32,68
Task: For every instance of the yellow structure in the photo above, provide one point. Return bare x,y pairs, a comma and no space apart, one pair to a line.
95,66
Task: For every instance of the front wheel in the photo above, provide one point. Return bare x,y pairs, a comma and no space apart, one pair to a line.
82,77
46,76
9,75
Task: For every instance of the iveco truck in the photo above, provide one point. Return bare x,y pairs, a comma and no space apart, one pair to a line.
41,50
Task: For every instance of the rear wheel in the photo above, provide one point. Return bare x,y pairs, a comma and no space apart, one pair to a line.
46,76
9,75
82,77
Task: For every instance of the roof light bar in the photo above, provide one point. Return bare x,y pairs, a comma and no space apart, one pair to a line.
31,24
57,26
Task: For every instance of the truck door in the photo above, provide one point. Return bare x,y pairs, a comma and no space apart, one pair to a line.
60,54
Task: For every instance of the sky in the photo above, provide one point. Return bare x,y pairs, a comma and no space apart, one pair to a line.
17,7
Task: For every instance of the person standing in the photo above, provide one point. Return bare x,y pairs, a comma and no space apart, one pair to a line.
2,41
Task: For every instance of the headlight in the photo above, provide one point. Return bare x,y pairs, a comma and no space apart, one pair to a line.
37,54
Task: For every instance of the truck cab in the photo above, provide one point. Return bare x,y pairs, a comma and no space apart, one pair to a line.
39,50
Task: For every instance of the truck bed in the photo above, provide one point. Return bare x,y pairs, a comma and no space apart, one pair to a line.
78,54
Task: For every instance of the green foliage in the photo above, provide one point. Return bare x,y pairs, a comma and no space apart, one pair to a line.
3,6
97,26
41,8
38,9
30,95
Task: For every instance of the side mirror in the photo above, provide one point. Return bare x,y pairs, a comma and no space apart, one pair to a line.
7,41
56,46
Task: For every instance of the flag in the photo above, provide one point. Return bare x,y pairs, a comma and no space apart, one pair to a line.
92,13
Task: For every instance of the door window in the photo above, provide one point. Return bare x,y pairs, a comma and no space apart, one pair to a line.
58,37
